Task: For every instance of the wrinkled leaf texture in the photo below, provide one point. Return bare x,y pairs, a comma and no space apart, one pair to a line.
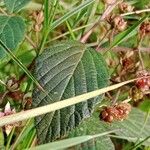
67,69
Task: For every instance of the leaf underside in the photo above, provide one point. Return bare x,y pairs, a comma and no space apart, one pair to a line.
67,69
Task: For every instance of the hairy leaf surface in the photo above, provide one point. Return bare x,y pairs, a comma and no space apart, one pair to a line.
67,69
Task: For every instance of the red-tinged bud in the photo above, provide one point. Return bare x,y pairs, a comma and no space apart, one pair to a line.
12,85
145,28
38,16
119,23
144,83
125,7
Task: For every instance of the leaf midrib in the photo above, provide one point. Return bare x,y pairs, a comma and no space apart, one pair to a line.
82,53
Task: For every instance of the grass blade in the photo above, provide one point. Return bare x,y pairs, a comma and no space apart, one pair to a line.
63,144
8,51
46,13
63,19
71,13
131,139
58,105
140,143
27,128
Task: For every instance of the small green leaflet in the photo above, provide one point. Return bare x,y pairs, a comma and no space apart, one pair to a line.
12,31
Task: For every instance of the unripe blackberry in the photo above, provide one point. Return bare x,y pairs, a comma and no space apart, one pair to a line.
125,7
145,28
117,112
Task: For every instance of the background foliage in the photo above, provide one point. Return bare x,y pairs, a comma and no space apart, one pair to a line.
27,28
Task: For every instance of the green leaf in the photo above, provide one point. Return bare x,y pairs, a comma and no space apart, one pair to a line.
65,70
12,30
92,125
15,5
63,144
101,143
134,128
130,129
